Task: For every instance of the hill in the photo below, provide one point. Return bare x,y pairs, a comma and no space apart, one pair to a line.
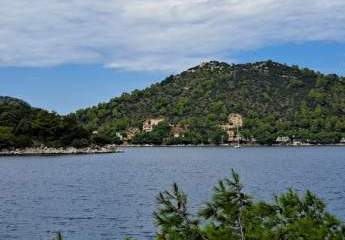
24,126
274,100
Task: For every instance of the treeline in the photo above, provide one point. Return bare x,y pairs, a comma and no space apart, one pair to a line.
23,126
274,100
232,214
196,133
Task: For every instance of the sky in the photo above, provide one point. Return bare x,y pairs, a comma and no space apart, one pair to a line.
63,55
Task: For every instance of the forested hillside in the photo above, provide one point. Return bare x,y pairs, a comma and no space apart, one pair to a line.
22,126
274,100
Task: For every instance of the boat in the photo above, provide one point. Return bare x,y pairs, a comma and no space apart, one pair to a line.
238,139
119,151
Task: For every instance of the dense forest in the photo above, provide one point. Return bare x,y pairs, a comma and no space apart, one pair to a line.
24,126
274,99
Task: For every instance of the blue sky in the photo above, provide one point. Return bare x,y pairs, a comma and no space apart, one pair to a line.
69,87
63,55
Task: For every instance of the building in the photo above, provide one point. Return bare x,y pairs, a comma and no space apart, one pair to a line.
131,133
119,135
283,139
149,124
178,130
235,121
297,142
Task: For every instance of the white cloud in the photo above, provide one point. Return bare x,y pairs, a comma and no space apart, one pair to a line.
156,34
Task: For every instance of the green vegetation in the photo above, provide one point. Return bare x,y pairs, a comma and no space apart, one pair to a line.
159,135
274,99
24,126
232,214
198,132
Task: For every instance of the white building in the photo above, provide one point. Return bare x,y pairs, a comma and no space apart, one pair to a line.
283,139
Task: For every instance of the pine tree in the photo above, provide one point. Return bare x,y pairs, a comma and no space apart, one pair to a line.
225,211
173,218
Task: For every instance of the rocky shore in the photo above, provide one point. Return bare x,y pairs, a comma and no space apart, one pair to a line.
37,151
42,150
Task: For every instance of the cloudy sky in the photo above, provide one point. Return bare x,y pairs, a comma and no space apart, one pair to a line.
64,54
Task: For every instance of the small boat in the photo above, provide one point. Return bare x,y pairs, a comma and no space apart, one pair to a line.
238,139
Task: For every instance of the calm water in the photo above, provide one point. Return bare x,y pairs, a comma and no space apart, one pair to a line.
100,197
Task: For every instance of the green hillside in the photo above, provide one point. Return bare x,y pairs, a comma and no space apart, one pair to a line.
23,126
274,100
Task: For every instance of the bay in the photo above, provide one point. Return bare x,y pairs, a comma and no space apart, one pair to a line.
110,196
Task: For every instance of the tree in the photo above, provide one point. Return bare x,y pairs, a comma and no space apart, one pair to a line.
233,215
173,218
225,211
7,138
157,136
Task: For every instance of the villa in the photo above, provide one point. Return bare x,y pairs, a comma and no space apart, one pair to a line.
149,124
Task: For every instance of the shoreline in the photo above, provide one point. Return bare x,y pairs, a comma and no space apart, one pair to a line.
108,149
48,151
230,145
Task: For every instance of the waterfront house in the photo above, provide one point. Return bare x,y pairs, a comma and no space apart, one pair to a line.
283,139
235,122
